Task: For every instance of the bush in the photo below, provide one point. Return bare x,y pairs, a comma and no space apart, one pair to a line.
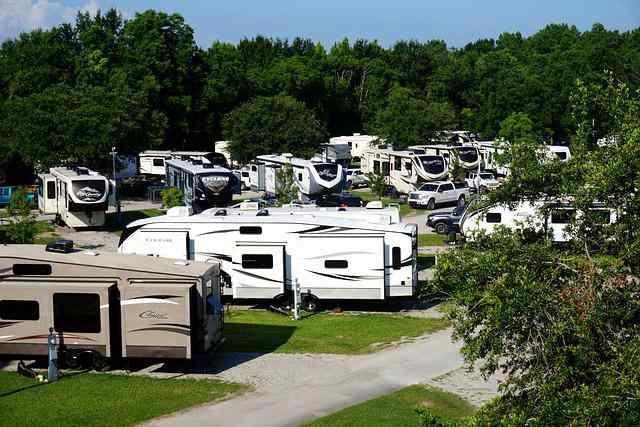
172,197
377,184
22,227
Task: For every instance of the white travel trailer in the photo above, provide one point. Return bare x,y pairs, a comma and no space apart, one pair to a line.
153,162
552,217
313,178
105,305
357,143
76,195
262,256
561,152
203,185
407,171
334,153
467,154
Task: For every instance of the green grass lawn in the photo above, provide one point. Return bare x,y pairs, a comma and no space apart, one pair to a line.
112,225
398,409
432,240
405,209
101,399
264,331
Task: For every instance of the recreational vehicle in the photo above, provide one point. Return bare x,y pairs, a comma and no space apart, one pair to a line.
203,185
358,144
467,154
153,162
407,171
312,177
76,195
106,306
263,255
334,153
551,217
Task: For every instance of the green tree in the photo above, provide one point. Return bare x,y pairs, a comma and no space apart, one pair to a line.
22,226
408,120
172,197
377,184
286,187
269,125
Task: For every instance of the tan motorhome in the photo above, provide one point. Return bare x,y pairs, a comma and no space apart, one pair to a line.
106,305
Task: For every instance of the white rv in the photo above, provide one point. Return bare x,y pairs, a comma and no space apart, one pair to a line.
153,162
467,154
551,217
203,185
407,171
313,178
358,144
76,195
334,153
263,255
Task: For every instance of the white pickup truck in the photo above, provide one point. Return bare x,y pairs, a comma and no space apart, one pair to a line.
484,181
439,192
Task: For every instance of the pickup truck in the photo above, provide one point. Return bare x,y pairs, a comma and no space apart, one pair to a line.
437,193
484,181
356,179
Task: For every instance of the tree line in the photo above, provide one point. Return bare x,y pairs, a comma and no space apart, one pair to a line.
76,90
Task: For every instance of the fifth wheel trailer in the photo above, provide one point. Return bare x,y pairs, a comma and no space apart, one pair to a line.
106,305
262,255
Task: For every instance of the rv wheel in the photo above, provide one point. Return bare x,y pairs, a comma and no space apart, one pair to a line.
441,228
311,303
98,363
432,204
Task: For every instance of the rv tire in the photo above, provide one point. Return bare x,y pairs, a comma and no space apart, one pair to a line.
310,303
432,204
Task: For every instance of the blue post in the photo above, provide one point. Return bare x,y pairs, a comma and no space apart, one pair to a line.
53,357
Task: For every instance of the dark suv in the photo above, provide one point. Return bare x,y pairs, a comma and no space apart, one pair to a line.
340,200
441,221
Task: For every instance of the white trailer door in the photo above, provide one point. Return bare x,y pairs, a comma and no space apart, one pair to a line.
258,270
341,266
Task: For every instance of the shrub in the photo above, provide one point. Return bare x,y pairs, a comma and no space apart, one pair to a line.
172,197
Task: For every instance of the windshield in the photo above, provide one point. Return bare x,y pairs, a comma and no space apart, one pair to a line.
327,171
468,154
486,176
432,164
89,190
429,187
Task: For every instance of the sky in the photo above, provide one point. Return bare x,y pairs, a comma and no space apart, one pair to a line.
457,22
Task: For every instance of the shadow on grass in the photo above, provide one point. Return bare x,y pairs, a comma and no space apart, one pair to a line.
244,342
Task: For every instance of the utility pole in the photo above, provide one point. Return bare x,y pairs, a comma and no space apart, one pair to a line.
115,185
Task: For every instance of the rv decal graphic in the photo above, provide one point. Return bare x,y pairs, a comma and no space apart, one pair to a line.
214,255
348,277
151,299
163,329
257,276
89,194
340,254
150,314
6,324
4,337
62,335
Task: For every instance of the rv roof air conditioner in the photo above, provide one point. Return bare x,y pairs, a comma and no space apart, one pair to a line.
208,165
249,206
220,212
180,211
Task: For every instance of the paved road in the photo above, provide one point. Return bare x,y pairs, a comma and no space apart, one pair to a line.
310,386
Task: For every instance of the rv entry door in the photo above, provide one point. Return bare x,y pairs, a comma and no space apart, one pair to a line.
258,270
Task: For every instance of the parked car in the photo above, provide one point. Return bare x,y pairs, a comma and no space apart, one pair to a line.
356,179
439,192
342,200
482,182
439,221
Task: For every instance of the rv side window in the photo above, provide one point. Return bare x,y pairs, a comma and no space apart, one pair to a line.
158,162
250,230
336,263
250,261
19,310
31,269
299,176
190,181
494,217
562,216
76,313
561,155
397,163
245,174
51,189
601,217
254,169
395,258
